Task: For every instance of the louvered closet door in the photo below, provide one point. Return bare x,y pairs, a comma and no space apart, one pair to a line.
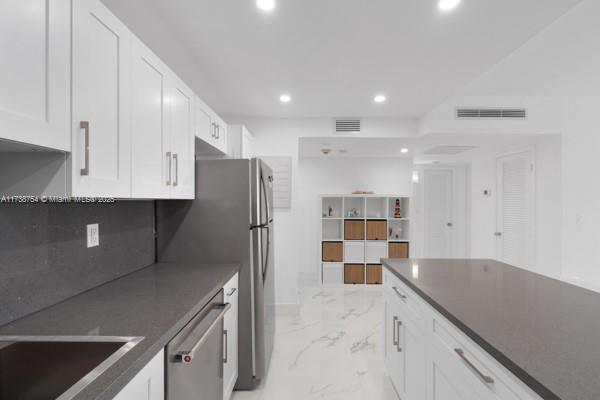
515,210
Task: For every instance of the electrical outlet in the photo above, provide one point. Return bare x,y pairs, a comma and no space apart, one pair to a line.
93,235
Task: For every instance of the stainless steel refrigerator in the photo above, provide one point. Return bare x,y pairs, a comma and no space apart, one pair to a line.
230,221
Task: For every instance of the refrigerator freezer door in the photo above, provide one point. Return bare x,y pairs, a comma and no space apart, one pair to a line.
264,284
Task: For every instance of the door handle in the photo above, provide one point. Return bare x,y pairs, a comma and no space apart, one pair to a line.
176,159
398,348
85,125
498,234
187,356
488,380
225,345
169,174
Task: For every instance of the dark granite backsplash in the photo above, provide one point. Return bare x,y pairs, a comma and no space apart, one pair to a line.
44,257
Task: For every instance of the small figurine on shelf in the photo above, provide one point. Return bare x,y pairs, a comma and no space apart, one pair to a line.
330,211
397,213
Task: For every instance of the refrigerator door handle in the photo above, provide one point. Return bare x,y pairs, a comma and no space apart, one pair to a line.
266,258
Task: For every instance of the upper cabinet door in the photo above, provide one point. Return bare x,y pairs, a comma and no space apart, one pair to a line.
181,127
150,143
204,127
101,139
35,72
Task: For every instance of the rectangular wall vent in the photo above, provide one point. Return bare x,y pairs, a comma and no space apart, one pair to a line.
347,125
491,113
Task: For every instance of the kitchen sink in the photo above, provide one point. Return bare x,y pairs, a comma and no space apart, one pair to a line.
56,367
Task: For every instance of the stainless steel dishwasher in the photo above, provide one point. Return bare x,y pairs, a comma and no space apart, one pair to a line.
195,356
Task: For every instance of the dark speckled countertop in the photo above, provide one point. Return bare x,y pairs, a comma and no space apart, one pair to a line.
154,302
545,331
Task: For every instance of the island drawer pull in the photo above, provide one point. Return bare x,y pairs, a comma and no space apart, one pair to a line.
488,380
399,293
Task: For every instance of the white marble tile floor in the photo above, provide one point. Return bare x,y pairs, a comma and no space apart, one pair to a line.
329,348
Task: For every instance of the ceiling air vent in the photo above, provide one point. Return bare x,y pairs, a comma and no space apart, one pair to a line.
491,113
347,125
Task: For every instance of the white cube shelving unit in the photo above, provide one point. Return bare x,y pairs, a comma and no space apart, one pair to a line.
357,231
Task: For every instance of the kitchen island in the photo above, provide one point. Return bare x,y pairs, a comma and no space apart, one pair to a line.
489,330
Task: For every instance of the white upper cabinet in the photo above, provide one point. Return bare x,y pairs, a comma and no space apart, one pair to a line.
35,72
101,139
150,155
181,125
210,130
240,142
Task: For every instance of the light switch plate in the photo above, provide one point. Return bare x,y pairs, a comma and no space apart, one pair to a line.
93,235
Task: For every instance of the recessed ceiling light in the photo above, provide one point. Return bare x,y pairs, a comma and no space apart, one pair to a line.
404,150
447,5
285,98
265,5
379,98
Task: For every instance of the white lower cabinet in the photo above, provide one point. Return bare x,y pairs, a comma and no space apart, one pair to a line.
429,358
148,384
230,333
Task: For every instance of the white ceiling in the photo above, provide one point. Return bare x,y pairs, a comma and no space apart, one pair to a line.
357,147
333,56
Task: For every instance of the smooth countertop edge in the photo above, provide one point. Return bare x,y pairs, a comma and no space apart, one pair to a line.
506,362
140,362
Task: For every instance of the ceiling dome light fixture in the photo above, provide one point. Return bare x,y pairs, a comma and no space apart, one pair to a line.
447,5
404,150
380,98
285,98
265,5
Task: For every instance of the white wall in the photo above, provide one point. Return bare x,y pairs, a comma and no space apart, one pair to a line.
548,203
556,75
581,191
279,137
322,176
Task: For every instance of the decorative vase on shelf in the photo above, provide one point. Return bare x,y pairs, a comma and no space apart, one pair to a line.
330,212
397,213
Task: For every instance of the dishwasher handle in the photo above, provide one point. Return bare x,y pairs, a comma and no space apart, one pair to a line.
187,356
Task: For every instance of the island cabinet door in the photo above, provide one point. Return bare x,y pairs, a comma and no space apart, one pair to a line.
394,357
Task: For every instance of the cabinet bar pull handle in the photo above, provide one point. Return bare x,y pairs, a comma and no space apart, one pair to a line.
85,125
398,348
225,347
169,174
176,159
488,380
399,293
395,334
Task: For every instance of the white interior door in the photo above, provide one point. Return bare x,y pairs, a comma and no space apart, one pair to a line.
438,213
515,209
